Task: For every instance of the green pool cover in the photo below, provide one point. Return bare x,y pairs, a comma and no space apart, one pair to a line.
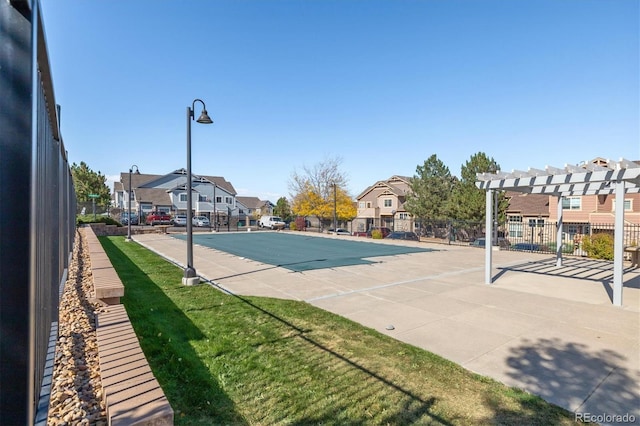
298,251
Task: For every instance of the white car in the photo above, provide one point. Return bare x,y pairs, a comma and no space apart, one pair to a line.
200,221
180,220
271,222
339,231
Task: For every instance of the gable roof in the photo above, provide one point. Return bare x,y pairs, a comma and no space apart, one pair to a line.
250,202
396,185
528,204
140,180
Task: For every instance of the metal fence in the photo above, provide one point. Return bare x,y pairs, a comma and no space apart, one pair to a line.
538,236
37,225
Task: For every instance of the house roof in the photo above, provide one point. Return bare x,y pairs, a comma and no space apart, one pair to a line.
156,196
250,202
395,184
140,180
528,204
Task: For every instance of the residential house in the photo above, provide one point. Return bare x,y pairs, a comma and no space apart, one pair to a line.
213,196
527,215
251,208
589,214
382,204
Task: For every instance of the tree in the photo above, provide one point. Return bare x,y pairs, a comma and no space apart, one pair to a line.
430,190
86,182
283,209
468,202
312,192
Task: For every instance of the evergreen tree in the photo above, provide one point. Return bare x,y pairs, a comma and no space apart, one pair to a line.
431,190
283,209
468,202
86,182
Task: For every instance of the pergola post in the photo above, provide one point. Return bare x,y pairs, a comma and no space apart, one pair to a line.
559,233
618,241
488,243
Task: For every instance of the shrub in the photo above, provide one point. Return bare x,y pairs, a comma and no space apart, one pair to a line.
293,226
300,224
88,218
566,247
598,246
376,234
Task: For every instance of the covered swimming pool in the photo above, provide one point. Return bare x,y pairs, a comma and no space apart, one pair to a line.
300,252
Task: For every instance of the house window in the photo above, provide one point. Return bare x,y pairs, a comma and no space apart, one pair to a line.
361,205
388,203
627,206
240,211
218,199
515,218
183,198
368,204
536,222
228,200
515,226
202,198
404,215
571,203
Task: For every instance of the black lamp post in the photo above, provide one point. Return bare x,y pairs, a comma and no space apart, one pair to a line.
214,219
190,277
393,220
335,210
129,202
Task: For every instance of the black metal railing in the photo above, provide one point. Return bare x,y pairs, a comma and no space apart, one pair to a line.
537,236
37,226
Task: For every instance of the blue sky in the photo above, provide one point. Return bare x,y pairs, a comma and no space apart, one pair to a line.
382,85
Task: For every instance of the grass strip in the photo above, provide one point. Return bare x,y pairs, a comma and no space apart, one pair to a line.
225,359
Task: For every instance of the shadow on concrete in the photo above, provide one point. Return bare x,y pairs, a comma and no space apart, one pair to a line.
600,271
575,377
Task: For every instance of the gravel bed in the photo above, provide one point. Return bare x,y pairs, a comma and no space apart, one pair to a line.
76,389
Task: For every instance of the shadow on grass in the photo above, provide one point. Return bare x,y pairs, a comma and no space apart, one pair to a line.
412,406
575,376
161,327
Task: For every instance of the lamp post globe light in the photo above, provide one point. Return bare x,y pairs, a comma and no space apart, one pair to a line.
129,202
190,276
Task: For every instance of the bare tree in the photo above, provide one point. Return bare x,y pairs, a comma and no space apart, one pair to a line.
320,178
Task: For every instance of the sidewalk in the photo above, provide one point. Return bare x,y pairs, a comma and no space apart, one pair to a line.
551,331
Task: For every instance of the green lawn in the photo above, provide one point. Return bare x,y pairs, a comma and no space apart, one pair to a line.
224,359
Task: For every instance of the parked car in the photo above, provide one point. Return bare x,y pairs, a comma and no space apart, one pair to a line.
527,247
481,242
403,235
339,231
385,231
271,222
478,242
158,218
179,220
200,221
124,218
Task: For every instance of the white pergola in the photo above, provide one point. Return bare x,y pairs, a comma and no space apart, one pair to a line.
610,177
